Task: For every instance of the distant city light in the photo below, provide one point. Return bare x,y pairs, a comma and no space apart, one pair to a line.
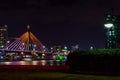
23,43
5,25
60,57
1,52
2,46
65,47
43,54
8,41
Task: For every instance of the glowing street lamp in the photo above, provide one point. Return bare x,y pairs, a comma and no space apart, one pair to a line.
108,25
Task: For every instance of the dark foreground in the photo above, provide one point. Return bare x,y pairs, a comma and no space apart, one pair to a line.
37,72
49,75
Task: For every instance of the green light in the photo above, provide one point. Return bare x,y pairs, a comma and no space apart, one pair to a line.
65,47
60,57
113,32
107,19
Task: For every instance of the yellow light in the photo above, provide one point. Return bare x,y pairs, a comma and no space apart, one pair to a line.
11,54
22,53
43,54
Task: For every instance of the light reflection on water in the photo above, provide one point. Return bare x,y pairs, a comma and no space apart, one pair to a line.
41,62
51,63
34,62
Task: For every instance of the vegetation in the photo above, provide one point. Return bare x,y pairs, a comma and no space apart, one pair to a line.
99,52
102,60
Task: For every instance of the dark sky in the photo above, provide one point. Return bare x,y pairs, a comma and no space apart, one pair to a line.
59,22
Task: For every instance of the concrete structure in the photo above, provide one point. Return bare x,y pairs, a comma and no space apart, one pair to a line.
112,29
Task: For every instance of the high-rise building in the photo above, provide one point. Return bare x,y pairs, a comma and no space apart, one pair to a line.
3,36
112,28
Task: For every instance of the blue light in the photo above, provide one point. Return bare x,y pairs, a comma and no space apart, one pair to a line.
7,53
1,52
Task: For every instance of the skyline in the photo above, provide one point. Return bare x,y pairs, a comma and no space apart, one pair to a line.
59,22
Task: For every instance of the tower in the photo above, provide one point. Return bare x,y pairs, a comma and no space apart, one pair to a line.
29,41
3,36
110,29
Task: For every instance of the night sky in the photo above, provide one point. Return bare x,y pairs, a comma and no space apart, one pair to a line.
59,22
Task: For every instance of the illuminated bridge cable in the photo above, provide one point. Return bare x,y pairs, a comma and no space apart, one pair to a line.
22,44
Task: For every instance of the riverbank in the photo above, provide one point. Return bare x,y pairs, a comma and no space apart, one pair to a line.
34,67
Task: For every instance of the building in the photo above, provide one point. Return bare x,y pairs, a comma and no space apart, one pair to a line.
59,53
112,29
3,36
56,49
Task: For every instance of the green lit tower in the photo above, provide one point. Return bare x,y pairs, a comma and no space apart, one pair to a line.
111,31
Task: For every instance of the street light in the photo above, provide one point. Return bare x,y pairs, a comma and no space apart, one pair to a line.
108,25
